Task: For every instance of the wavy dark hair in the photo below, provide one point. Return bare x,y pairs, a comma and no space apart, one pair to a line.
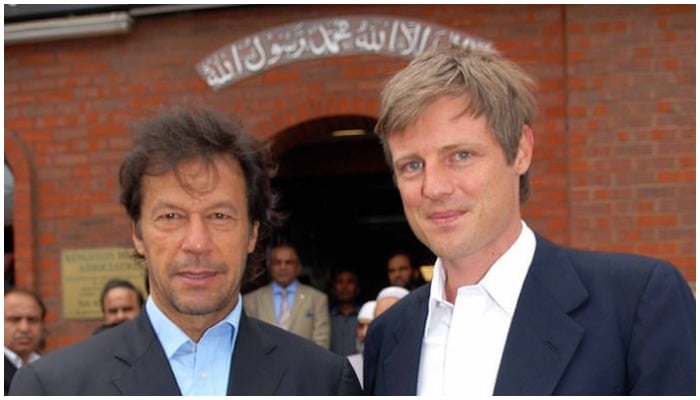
185,133
120,283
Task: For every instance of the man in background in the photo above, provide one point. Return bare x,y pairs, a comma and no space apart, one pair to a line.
364,317
343,313
289,304
121,301
387,297
24,330
400,271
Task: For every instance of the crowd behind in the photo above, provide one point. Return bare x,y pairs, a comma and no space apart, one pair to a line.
333,318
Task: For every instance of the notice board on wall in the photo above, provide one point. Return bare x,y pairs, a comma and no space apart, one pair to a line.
84,273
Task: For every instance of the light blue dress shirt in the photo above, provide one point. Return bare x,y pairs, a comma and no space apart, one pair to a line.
277,297
202,368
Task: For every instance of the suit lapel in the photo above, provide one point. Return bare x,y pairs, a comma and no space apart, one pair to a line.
148,371
253,370
542,337
401,363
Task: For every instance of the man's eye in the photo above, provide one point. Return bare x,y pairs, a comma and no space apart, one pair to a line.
411,166
169,220
462,155
414,165
219,216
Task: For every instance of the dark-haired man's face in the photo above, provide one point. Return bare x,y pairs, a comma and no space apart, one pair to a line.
23,324
196,237
345,287
399,270
120,304
284,265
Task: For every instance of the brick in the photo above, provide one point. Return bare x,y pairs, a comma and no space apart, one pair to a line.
656,220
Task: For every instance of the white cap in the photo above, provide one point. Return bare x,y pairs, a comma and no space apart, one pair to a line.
392,291
367,311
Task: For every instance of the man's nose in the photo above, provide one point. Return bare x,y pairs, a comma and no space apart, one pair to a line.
23,324
436,182
197,237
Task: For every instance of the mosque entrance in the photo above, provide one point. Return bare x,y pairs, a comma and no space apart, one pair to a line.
343,208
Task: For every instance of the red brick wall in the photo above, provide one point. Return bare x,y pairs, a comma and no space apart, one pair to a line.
615,136
631,118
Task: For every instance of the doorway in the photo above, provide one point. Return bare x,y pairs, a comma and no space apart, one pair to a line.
343,209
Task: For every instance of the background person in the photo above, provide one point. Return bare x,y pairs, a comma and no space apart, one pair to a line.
364,317
401,271
289,304
507,311
197,189
24,330
343,312
387,297
120,301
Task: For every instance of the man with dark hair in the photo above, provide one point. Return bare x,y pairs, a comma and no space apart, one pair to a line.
507,311
345,289
197,189
120,301
401,271
24,330
288,303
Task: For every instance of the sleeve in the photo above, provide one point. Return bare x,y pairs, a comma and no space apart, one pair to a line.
26,383
349,384
369,360
322,323
661,357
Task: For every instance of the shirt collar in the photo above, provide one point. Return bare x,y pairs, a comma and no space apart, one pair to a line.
335,311
16,360
172,337
504,279
291,288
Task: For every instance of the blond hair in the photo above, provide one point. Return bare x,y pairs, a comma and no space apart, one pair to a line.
493,87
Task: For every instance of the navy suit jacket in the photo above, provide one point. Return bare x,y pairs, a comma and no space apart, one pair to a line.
129,360
586,323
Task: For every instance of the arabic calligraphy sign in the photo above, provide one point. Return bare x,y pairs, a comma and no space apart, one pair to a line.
302,40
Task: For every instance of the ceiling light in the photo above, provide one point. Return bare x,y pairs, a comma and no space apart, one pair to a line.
348,132
427,272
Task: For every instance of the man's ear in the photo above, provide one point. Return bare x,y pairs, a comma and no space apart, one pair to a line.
253,238
137,238
523,158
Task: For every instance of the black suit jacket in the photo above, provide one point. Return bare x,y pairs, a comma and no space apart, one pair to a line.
586,323
10,370
129,360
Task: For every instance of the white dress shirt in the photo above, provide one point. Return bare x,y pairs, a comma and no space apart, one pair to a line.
463,343
16,360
